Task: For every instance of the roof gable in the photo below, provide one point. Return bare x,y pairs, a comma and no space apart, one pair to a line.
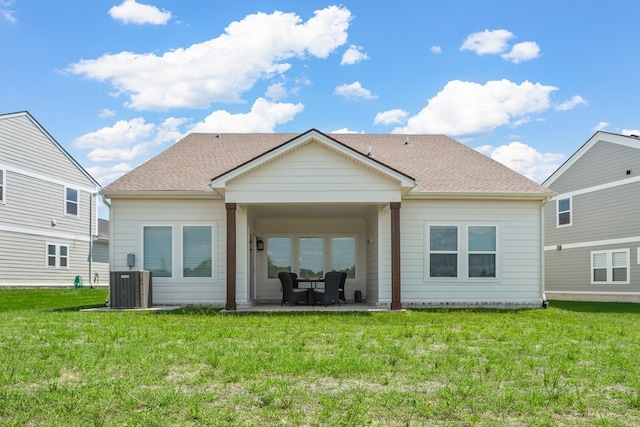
22,125
598,137
312,137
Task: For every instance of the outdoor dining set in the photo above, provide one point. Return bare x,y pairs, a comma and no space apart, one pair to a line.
331,293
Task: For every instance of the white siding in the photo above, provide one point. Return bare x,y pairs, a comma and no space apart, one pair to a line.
372,254
518,278
126,237
312,174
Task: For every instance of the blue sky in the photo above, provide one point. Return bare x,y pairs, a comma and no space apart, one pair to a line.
527,83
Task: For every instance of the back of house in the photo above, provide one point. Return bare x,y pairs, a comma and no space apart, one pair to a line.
592,230
48,217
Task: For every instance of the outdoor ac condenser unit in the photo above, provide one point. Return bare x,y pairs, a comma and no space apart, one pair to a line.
130,289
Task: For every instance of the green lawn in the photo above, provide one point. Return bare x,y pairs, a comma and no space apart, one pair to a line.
572,364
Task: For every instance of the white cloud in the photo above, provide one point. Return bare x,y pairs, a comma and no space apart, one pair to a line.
353,55
571,103
221,69
126,140
263,117
521,52
390,116
353,91
276,91
346,130
488,42
600,126
106,113
471,109
131,12
524,159
105,175
630,132
436,49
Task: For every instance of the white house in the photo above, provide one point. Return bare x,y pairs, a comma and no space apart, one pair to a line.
48,217
415,220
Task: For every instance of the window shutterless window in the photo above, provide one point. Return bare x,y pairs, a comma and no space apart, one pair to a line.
609,267
343,255
197,251
157,250
482,251
57,256
564,211
311,257
278,256
71,202
443,251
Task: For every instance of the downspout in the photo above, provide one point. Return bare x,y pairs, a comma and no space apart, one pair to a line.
91,198
545,303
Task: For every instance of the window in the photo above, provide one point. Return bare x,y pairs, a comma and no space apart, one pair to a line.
564,211
57,256
71,202
343,255
157,250
2,186
610,266
197,251
311,257
443,251
482,251
278,256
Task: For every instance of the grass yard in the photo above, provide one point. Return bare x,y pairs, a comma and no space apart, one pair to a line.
572,364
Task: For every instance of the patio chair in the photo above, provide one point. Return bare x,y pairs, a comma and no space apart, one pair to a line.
289,293
294,278
343,281
330,293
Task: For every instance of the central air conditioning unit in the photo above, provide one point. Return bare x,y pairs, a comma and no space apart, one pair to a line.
130,289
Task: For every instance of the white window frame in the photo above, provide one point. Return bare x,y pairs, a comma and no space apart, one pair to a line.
67,201
462,253
558,212
609,253
494,252
3,186
458,252
57,256
213,258
173,250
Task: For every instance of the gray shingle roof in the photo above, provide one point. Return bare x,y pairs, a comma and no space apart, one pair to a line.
438,163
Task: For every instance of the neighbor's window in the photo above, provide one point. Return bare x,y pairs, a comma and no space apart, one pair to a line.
564,211
57,256
157,250
610,266
278,256
71,202
197,251
482,251
443,251
311,257
343,255
2,186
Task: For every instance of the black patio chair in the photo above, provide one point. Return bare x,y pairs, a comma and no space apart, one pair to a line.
289,293
343,281
330,293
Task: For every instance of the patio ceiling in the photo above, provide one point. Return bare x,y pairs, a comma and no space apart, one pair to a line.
312,210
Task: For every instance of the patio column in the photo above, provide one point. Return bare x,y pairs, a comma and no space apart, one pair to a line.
396,304
231,257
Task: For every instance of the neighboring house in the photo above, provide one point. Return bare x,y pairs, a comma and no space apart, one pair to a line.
48,220
415,220
592,227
